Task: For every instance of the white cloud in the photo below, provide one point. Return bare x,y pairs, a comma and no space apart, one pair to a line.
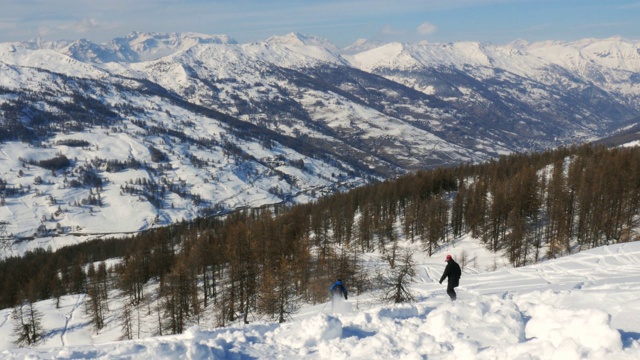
426,28
71,29
388,30
85,25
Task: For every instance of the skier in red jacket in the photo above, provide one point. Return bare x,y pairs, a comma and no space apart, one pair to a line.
453,272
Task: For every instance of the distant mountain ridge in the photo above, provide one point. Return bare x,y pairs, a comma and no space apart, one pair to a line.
182,125
135,47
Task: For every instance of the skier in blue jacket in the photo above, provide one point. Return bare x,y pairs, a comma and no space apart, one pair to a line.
338,289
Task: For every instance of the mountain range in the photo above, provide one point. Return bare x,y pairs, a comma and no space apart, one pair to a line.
151,129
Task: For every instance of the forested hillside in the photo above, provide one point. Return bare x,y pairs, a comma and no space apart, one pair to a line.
268,261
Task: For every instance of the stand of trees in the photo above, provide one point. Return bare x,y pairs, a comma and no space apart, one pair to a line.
260,263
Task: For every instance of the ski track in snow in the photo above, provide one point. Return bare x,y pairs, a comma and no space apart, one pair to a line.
6,318
68,319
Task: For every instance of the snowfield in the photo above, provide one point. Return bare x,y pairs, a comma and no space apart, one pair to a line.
583,306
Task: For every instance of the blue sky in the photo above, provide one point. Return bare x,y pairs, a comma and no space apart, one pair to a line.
340,21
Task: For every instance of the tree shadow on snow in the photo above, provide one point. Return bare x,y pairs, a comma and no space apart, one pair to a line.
350,331
628,338
62,331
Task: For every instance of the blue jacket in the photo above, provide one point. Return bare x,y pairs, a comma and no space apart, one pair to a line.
337,287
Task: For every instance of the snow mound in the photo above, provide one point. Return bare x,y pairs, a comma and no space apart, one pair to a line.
573,333
482,321
311,332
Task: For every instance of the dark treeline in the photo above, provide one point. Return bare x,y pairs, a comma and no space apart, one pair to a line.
260,263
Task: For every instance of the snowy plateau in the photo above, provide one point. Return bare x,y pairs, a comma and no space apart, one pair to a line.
160,128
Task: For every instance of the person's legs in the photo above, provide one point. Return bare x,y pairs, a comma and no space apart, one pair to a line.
451,292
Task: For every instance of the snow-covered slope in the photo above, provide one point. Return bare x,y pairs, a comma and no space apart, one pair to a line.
217,125
614,53
583,306
588,59
135,47
520,87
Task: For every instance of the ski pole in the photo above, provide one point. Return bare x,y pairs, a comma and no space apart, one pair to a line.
325,304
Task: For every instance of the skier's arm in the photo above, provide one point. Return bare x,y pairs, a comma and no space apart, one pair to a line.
447,271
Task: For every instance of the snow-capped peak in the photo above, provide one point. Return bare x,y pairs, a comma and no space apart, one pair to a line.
361,45
614,53
152,46
297,50
519,44
135,47
148,42
297,39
